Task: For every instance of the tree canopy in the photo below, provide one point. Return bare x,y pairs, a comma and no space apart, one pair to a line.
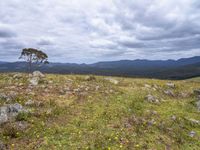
32,55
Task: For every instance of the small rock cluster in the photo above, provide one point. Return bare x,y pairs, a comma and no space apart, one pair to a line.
35,78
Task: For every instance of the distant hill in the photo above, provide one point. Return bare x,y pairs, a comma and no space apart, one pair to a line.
162,69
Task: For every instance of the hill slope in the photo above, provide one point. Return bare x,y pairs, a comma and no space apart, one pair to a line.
91,112
169,69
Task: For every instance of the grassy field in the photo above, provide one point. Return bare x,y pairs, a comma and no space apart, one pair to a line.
72,112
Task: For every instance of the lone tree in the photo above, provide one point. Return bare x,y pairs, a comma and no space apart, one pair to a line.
35,56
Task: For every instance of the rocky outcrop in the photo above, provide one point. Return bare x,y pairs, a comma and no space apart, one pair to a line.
35,78
10,111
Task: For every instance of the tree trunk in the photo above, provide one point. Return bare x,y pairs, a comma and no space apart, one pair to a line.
30,64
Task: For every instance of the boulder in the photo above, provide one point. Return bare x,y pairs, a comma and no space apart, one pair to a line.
9,111
113,81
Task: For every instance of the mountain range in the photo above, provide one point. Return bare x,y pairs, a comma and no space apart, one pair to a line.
162,69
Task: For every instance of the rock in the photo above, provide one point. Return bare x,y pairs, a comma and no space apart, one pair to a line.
38,74
36,78
2,146
170,85
13,109
192,133
151,122
34,81
184,95
3,97
197,91
173,117
152,99
169,93
21,125
97,88
90,78
9,111
3,115
50,82
113,81
198,105
17,76
193,121
147,86
29,103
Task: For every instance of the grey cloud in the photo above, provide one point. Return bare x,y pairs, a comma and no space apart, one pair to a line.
45,42
92,30
6,33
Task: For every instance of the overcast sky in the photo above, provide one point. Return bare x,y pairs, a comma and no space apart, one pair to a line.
100,30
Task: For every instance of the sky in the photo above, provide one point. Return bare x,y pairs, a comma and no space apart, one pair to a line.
87,31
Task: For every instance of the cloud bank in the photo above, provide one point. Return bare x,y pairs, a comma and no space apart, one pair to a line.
92,30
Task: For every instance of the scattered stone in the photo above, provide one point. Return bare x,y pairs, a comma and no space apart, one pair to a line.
147,86
90,78
152,99
197,91
3,97
34,81
173,117
50,82
198,105
21,125
38,74
36,78
152,112
17,76
97,88
113,81
184,95
170,85
169,93
29,103
192,133
151,122
193,121
3,115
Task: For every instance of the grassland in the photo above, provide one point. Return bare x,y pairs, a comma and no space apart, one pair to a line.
71,112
